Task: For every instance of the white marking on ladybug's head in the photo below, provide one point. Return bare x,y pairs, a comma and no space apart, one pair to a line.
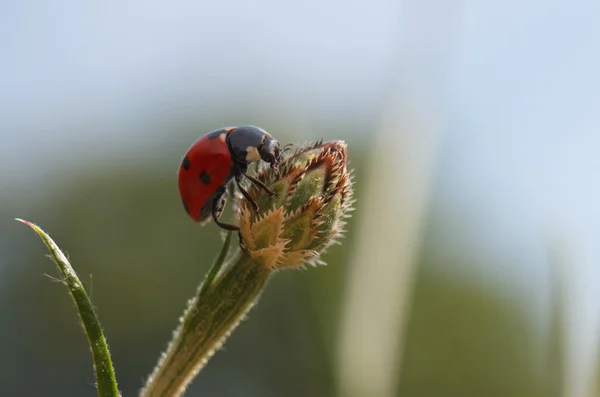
222,137
252,154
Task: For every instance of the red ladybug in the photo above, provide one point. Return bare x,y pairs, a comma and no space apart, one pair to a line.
217,159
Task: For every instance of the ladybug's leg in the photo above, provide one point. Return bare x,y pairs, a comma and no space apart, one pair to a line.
259,184
220,204
232,193
217,210
246,194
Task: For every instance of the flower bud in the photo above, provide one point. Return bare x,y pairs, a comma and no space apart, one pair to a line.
314,196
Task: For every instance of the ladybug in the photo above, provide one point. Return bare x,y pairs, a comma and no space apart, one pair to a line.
217,160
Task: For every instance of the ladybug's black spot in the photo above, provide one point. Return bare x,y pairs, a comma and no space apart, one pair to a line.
185,206
204,177
186,163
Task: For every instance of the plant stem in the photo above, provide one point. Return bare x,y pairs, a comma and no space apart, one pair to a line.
106,381
218,307
216,268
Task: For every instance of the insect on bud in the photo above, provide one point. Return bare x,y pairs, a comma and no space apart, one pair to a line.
314,196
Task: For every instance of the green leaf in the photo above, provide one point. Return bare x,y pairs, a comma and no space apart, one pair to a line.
106,381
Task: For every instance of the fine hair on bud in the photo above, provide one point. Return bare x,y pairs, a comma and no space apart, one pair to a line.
314,197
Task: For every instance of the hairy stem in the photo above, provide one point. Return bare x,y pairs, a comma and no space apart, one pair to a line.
220,304
106,381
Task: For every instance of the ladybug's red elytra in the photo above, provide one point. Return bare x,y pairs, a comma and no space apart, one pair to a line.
217,159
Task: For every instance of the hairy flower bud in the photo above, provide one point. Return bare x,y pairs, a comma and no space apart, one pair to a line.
314,196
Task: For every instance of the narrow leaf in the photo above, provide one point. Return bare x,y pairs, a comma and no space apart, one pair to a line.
103,367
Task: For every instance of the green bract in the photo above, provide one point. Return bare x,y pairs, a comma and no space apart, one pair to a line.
314,196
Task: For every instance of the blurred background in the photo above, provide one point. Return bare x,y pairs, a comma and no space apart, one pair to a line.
471,266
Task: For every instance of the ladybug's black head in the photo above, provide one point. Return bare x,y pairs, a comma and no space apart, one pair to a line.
270,151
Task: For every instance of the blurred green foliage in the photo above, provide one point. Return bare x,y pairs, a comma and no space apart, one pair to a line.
141,259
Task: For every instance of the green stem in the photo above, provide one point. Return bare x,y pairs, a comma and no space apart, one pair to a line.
211,316
216,268
103,367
